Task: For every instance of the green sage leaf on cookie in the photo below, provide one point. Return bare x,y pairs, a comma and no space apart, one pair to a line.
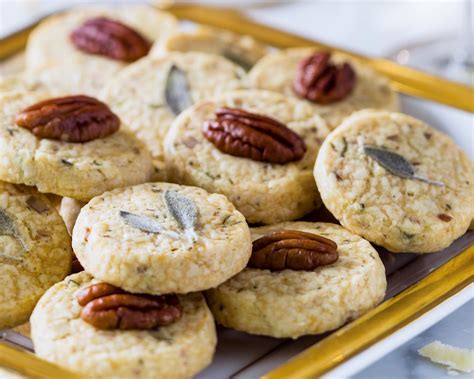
146,224
177,92
237,59
8,228
183,210
396,164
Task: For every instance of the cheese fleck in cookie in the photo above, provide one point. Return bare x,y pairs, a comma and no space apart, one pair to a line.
291,303
160,237
179,350
54,60
396,181
35,251
277,72
149,94
264,192
79,170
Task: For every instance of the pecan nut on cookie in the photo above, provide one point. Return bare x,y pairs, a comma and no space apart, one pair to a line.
321,272
255,147
98,42
72,146
99,330
334,84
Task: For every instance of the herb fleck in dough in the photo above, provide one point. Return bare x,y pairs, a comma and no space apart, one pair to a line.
400,214
160,238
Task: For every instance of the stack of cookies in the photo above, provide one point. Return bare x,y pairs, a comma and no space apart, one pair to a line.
134,157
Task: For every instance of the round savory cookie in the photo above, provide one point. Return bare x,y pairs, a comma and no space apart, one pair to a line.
80,170
79,50
240,49
263,191
178,350
291,303
278,72
396,181
160,238
150,93
35,251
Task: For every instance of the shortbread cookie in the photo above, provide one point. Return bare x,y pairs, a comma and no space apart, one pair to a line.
35,251
291,303
77,170
160,237
69,210
179,350
277,72
54,59
264,192
241,49
370,191
149,94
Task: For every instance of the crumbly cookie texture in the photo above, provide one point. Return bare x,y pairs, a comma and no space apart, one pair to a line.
276,72
19,83
69,211
179,350
113,250
77,170
137,94
35,251
264,192
243,50
291,303
402,215
53,59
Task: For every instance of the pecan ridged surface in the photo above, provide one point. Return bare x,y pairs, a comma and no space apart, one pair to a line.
110,38
320,81
292,249
109,307
250,135
70,119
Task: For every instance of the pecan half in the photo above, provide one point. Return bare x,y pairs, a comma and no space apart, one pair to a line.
320,81
111,38
71,119
250,135
109,307
292,249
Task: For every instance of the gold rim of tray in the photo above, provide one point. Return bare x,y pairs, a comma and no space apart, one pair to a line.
389,316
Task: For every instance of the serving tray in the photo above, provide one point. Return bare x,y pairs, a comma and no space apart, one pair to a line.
416,283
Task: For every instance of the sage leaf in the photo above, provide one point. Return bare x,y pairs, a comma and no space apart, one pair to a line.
146,224
177,92
237,59
396,164
184,211
8,228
